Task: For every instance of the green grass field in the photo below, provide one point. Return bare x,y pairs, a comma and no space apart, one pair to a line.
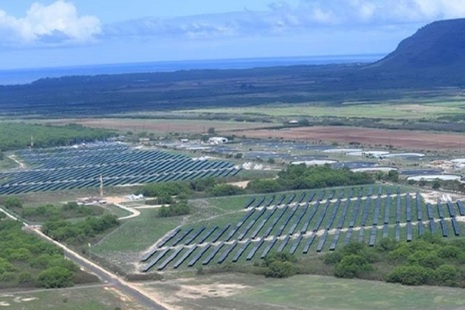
413,109
242,291
90,298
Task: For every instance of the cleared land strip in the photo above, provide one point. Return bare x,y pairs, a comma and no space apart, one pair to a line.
407,139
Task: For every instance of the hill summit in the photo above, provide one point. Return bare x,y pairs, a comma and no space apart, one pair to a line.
439,46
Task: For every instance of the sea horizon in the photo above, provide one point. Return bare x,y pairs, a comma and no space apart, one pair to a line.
29,75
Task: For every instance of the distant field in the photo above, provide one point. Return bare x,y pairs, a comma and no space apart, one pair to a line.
403,139
159,126
387,110
90,298
242,291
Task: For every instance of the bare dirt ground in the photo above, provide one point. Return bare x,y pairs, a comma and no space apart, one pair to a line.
20,163
185,290
404,139
242,184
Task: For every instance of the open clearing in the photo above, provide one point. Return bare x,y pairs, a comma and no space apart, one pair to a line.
405,139
241,291
407,108
75,298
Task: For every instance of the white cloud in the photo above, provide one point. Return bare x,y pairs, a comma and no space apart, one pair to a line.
282,18
56,24
350,12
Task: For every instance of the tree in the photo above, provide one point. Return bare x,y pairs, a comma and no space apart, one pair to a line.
352,266
238,156
393,176
409,275
13,203
55,277
279,269
164,198
211,131
226,190
446,275
436,184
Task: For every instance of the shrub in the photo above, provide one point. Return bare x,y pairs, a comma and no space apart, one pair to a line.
13,203
55,277
280,269
226,190
181,208
446,275
409,275
449,252
352,266
425,259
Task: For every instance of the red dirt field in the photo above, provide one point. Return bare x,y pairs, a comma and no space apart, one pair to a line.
405,139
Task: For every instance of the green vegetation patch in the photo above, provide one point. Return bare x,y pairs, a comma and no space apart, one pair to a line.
20,135
27,261
400,109
91,298
247,291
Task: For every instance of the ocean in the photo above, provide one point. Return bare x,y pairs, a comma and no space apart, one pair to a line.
24,76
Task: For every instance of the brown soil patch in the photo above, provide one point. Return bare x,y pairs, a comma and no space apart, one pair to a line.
241,184
405,139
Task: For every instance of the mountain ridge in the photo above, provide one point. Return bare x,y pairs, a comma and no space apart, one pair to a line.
438,45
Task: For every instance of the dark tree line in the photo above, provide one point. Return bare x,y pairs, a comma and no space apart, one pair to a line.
428,260
27,261
18,135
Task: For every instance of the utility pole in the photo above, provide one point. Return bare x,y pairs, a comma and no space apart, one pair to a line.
101,186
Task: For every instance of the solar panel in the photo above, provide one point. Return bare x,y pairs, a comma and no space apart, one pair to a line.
283,244
372,240
155,260
295,244
332,247
444,229
409,231
308,244
169,259
194,260
385,230
184,257
227,252
455,226
269,247
348,235
255,249
240,251
397,232
322,241
212,254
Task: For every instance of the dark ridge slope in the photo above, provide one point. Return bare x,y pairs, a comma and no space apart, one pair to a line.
437,46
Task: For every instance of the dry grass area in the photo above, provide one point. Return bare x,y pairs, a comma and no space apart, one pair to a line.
403,139
159,126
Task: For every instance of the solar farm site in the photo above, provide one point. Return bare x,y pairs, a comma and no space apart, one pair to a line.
305,223
117,164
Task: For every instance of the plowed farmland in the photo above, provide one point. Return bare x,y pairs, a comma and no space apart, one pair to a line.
404,139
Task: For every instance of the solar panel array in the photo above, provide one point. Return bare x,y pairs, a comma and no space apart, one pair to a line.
69,168
297,223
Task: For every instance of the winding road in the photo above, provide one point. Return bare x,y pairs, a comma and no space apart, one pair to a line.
104,275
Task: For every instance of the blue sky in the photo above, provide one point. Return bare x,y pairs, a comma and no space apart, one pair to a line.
47,33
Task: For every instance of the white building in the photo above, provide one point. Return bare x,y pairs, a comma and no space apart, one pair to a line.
218,140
